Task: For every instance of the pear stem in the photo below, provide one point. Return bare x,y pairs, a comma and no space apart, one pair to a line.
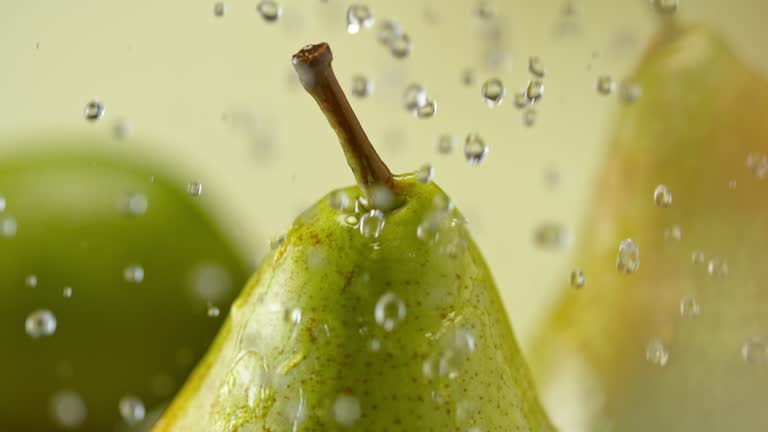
313,65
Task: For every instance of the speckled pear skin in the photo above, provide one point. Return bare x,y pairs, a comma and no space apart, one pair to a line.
450,364
702,111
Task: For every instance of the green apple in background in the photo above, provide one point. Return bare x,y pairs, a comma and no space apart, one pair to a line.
130,266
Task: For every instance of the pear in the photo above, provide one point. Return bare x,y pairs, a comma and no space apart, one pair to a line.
671,335
376,313
107,268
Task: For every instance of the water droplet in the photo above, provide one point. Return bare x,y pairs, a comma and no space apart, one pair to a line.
428,110
689,307
445,143
195,188
577,278
429,228
673,233
465,411
605,85
341,201
219,9
389,30
351,220
372,223
485,9
375,345
717,268
415,96
401,46
269,10
475,149
2,203
31,281
212,310
731,184
535,90
697,257
361,86
755,351
662,196
536,67
656,353
68,409
346,409
131,409
666,6
135,204
468,77
521,101
529,117
292,315
94,110
425,173
552,235
389,311
379,197
67,292
493,92
359,17
134,273
758,164
40,323
628,258
630,91
122,129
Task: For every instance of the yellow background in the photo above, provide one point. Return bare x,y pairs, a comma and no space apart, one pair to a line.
217,99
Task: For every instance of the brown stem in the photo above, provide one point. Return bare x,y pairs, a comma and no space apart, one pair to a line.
313,65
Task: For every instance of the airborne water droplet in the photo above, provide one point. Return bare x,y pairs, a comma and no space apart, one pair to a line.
134,273
269,10
529,117
630,91
414,96
359,17
656,353
67,292
340,200
521,101
552,235
475,149
2,203
697,257
577,278
219,9
628,258
389,311
428,110
717,268
757,164
40,323
401,46
8,226
445,143
662,196
388,31
425,173
31,281
468,77
94,110
361,86
195,188
673,233
536,67
666,6
605,85
755,351
212,310
493,92
372,223
68,409
131,409
346,410
486,9
535,90
689,307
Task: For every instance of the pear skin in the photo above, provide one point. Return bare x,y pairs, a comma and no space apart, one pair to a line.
670,347
356,322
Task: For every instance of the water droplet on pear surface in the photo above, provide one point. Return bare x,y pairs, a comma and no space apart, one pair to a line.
662,196
717,267
666,6
31,281
372,223
195,188
68,409
628,257
697,257
493,92
758,164
40,323
689,307
755,351
135,204
133,273
475,149
67,292
673,233
346,410
389,311
577,279
2,203
630,91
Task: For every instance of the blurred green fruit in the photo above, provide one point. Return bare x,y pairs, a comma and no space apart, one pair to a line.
127,261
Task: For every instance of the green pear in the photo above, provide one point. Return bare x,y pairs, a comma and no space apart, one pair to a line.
675,339
125,261
376,313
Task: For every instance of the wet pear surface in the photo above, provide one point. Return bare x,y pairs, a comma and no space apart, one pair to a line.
701,113
78,227
342,331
